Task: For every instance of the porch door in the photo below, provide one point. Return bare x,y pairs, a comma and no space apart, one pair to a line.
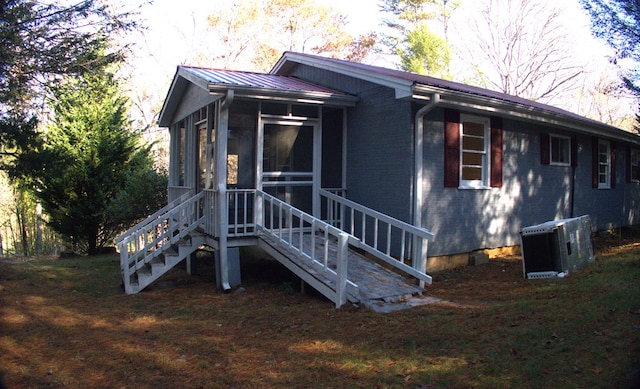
290,162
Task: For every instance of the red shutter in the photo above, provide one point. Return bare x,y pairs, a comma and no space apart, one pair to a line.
594,162
612,153
574,151
544,149
451,148
496,152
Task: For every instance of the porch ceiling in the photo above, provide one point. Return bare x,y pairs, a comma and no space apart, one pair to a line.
250,85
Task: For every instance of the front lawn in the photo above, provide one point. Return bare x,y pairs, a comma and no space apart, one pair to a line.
67,323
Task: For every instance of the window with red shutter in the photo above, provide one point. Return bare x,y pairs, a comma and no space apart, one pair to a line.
473,151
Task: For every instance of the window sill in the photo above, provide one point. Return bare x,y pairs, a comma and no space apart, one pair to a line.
476,187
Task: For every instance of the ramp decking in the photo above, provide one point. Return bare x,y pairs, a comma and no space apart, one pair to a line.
377,287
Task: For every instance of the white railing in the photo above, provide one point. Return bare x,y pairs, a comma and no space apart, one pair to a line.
387,238
151,219
289,225
143,242
240,214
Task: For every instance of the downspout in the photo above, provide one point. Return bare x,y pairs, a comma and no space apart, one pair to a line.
419,249
418,199
573,191
221,178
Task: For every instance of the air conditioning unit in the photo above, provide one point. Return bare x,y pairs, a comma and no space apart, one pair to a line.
556,248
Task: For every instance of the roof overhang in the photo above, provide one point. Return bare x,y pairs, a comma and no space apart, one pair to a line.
299,97
537,114
456,95
197,77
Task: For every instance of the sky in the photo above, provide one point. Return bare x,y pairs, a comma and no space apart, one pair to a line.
162,47
174,33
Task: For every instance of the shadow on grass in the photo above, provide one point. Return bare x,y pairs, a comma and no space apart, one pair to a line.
66,323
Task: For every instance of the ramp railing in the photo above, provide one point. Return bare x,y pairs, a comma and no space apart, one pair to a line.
392,240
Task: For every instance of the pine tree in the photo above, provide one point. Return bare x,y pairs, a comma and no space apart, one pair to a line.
89,161
41,42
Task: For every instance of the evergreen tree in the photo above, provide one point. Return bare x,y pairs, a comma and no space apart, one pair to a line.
40,43
424,52
90,169
420,50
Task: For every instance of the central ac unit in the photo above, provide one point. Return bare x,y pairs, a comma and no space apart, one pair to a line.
556,248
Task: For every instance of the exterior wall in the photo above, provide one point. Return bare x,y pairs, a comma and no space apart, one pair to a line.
465,220
380,153
379,143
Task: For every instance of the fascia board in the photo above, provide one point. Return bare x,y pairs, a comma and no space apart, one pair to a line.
178,85
171,100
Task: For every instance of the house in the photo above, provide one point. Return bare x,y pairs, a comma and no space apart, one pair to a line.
364,157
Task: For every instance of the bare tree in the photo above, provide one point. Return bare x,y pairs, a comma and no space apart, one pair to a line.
254,33
525,47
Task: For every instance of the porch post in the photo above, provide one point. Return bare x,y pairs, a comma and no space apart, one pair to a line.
258,199
317,166
221,185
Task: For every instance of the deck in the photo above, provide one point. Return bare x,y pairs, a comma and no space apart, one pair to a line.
347,255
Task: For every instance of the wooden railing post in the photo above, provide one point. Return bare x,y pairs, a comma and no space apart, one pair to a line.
124,264
419,256
342,266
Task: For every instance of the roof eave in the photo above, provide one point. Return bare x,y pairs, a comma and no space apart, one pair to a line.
457,99
300,97
180,81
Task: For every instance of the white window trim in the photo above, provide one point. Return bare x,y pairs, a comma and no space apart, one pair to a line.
607,184
556,163
635,152
486,166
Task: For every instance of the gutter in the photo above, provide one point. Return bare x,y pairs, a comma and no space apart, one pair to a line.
418,196
536,114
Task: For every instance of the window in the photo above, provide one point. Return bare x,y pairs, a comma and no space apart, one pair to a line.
603,156
560,147
181,154
474,146
604,164
472,151
634,165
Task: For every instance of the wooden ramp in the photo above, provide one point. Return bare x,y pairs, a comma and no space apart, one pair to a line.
373,285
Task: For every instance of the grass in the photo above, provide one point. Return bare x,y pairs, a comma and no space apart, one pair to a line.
67,323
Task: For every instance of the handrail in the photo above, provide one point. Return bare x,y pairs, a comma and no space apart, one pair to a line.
145,242
387,238
422,232
155,216
287,224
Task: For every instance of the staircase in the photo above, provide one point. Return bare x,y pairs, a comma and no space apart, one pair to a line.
157,244
320,252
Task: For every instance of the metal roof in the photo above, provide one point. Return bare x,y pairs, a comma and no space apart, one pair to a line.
249,85
455,94
231,78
